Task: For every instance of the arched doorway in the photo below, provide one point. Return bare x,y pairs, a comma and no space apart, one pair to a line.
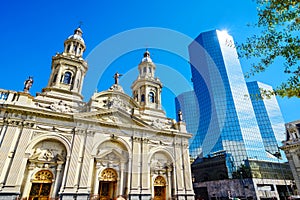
159,188
47,159
108,184
41,185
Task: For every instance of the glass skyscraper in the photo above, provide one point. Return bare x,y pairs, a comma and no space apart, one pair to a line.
227,121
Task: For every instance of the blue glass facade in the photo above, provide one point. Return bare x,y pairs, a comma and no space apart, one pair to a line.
269,117
187,104
227,121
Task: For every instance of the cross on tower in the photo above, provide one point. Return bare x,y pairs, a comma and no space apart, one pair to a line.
80,24
116,77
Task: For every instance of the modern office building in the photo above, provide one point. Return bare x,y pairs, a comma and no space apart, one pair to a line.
187,104
228,123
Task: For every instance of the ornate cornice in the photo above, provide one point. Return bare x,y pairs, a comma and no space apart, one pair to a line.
288,146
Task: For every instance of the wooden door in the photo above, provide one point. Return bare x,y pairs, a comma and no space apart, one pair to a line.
107,190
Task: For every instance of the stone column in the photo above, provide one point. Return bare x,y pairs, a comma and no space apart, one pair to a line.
83,138
168,174
145,168
3,131
64,179
27,186
81,81
96,181
90,174
121,179
57,180
129,174
11,154
135,186
58,77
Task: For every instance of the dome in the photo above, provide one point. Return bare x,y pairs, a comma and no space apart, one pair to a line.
77,35
146,59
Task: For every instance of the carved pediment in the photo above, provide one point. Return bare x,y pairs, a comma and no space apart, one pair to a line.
113,116
110,155
60,106
112,99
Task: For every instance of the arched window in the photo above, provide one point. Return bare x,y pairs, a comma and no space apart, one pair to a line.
75,48
68,48
145,69
109,174
67,78
151,97
143,98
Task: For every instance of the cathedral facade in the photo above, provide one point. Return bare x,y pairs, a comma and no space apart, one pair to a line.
55,145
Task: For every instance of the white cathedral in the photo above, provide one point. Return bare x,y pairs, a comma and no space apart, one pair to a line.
56,146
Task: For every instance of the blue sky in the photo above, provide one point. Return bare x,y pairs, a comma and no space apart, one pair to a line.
33,31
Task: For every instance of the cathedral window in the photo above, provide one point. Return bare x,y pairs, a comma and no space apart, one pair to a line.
4,95
67,78
143,98
151,97
75,48
68,48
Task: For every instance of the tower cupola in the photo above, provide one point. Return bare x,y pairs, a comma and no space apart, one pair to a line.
68,70
147,67
75,45
146,88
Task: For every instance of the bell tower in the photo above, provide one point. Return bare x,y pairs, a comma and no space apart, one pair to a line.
68,70
146,89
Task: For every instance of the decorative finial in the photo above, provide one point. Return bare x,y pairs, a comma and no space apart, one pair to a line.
116,77
147,53
80,24
27,84
78,30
